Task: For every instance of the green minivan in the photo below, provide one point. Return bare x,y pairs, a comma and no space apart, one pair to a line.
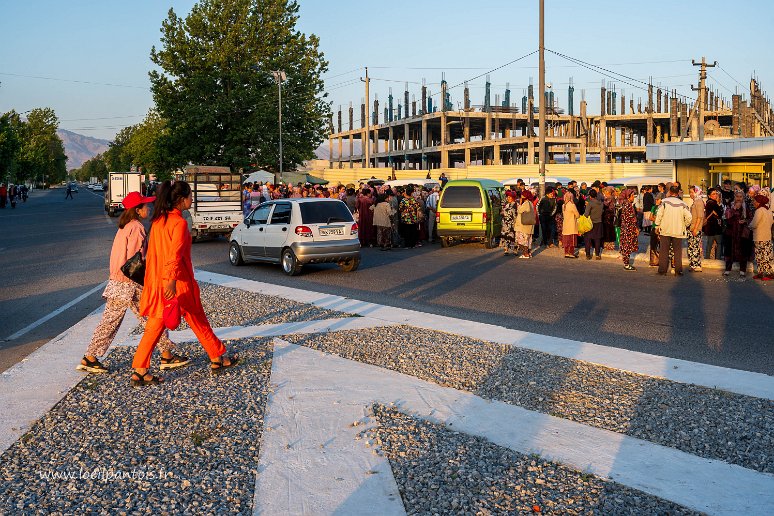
470,209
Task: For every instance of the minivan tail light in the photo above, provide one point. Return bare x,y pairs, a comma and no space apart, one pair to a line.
484,217
437,218
354,229
304,231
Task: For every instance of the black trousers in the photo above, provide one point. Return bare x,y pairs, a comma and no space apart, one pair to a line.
409,233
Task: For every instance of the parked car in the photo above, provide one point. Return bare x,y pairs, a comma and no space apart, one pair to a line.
470,208
296,232
98,188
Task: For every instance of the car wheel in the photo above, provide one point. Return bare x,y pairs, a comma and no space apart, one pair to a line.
235,254
446,241
350,265
290,264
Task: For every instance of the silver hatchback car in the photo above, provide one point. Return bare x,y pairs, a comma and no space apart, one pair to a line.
295,232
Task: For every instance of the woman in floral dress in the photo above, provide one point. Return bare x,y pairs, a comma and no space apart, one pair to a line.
508,218
629,232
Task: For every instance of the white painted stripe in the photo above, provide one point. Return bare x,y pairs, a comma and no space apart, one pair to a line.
683,371
312,388
272,330
310,462
56,312
29,389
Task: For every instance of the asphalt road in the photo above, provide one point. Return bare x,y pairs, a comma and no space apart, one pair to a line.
701,317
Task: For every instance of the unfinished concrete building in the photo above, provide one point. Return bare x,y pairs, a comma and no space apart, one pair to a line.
427,134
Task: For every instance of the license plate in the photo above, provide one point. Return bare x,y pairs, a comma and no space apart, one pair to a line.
331,231
217,226
458,217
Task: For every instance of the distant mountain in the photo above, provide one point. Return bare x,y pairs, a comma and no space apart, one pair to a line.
80,148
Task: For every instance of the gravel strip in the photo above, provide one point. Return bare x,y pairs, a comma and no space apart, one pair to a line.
226,306
704,422
198,434
440,471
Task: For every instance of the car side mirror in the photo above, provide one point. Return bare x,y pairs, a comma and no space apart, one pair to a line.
247,222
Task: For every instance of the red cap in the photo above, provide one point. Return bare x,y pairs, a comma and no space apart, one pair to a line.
133,199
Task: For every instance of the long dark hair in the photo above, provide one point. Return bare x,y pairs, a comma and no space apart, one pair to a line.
168,196
129,215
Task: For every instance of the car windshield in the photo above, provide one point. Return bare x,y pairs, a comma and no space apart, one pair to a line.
461,197
324,212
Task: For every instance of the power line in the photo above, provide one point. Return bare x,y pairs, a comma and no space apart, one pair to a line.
731,76
74,81
101,118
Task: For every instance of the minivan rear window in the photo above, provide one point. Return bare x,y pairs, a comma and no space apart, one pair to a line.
324,212
461,197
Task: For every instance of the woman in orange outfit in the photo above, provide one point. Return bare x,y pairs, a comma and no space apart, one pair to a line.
168,274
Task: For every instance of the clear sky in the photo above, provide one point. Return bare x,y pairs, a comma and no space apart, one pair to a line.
88,59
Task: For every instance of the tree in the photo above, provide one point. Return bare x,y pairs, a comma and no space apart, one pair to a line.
41,156
117,157
218,108
10,143
148,146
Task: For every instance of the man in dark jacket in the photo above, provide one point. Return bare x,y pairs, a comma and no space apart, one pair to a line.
713,225
546,211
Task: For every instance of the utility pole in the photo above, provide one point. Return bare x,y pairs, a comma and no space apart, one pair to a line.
702,89
542,109
367,142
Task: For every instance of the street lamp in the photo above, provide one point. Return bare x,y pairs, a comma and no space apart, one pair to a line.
279,77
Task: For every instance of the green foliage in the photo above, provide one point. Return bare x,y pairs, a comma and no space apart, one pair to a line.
38,153
219,108
10,143
117,156
95,167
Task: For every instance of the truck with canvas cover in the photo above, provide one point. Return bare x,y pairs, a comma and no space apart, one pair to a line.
119,184
217,199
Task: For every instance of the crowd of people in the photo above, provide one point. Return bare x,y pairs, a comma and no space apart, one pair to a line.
387,217
730,222
11,194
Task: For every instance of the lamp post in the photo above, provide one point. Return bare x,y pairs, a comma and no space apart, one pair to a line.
280,77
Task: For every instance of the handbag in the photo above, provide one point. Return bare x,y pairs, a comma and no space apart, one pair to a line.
584,224
528,217
134,268
171,314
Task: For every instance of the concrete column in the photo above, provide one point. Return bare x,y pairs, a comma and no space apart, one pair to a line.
683,120
496,156
423,142
497,128
341,146
406,138
330,151
467,157
658,133
488,126
351,148
531,152
583,152
673,118
390,140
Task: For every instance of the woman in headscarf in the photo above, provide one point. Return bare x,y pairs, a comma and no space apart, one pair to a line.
365,224
508,218
695,230
737,237
761,230
569,225
524,231
593,239
608,218
629,232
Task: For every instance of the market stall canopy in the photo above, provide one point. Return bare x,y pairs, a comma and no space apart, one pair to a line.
259,176
297,177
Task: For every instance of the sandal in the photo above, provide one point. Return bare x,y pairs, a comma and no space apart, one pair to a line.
92,366
218,366
140,380
174,361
